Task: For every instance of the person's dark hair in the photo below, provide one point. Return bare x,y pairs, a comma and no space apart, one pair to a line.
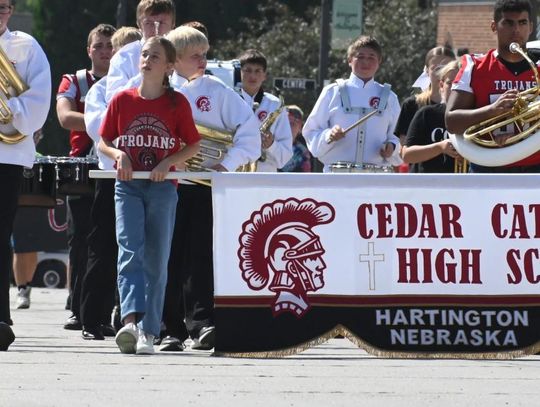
106,30
505,6
198,26
170,56
253,56
153,7
364,41
462,51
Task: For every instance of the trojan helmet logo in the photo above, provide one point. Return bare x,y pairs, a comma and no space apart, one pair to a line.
262,115
279,250
203,104
374,102
147,157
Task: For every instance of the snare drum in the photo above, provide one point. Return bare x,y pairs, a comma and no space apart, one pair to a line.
72,175
350,167
38,187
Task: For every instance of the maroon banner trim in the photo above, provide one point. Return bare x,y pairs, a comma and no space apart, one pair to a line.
397,300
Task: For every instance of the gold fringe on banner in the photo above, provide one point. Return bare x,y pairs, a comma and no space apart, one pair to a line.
373,350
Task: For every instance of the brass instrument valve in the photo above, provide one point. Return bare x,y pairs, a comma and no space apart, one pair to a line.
520,105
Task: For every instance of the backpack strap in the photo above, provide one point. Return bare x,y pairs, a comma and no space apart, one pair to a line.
82,80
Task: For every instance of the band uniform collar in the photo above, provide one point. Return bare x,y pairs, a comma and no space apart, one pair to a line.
355,80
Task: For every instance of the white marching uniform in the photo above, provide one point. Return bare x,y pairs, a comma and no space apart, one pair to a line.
281,151
215,105
29,109
362,144
95,107
124,65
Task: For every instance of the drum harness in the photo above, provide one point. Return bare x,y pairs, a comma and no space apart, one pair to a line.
362,111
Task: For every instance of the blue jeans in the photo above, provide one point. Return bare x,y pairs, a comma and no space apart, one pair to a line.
145,214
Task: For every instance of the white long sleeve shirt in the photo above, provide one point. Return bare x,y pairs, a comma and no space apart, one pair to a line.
377,130
30,108
280,152
95,108
216,105
124,65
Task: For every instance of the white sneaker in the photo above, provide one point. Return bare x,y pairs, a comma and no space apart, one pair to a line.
145,344
126,338
23,298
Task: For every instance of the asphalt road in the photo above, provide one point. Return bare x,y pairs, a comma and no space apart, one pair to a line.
49,366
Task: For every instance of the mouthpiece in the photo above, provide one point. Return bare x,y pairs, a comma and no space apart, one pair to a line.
514,47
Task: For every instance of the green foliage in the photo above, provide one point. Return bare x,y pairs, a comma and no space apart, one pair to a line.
406,32
291,43
62,27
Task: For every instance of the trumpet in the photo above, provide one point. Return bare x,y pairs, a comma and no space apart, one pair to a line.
478,143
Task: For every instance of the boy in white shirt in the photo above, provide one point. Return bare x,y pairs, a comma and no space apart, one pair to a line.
277,140
190,277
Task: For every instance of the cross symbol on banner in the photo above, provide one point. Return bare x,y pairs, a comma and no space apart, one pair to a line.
371,258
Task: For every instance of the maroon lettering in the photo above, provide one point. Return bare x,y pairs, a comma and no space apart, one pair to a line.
407,221
529,258
511,255
496,220
444,263
428,222
384,219
450,215
408,265
361,220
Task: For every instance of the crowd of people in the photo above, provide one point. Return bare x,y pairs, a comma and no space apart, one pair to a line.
142,249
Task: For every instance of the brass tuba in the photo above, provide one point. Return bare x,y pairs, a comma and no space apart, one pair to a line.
11,85
214,145
478,143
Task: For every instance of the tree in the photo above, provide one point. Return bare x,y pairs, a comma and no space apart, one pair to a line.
291,43
62,29
406,32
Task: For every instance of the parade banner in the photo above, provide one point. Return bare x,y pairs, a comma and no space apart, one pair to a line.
402,265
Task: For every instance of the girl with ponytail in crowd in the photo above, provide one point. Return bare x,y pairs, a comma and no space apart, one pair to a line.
428,82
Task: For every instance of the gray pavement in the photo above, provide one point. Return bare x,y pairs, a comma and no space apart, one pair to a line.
49,366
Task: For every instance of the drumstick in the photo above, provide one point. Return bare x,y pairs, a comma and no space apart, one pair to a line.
357,123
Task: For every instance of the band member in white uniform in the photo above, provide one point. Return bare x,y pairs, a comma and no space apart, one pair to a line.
277,140
99,283
154,17
29,110
342,103
190,289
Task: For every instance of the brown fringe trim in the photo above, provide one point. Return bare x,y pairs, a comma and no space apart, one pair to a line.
372,350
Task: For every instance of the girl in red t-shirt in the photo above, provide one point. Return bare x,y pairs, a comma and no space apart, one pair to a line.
149,124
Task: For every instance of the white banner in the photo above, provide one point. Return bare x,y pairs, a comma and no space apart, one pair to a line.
376,235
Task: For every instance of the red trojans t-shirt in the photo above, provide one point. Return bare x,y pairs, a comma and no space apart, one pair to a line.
487,77
148,130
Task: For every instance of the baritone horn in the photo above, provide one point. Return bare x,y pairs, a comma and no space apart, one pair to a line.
268,122
11,85
478,143
214,145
